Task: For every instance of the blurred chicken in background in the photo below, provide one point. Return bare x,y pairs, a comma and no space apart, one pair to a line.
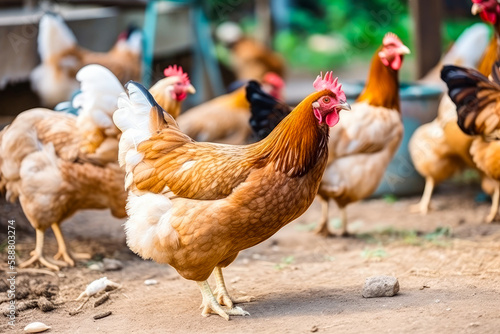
363,143
477,99
54,80
440,149
468,50
225,119
250,59
57,163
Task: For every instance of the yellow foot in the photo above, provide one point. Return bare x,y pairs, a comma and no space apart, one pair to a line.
322,230
492,218
418,208
224,312
224,299
37,257
69,258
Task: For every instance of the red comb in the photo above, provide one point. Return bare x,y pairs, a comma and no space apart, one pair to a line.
273,79
328,83
391,38
174,71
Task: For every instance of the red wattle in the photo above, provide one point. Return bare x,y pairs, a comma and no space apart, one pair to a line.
396,63
332,118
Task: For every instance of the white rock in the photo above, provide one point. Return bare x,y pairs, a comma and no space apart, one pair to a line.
98,266
150,282
36,327
380,286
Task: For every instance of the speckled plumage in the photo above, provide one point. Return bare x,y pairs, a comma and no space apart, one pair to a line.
196,205
43,165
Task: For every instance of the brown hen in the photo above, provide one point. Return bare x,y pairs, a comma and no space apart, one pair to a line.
196,205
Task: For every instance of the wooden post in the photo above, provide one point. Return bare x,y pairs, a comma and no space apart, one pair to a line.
427,16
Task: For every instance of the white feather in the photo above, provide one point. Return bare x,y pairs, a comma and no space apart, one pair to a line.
469,47
54,36
97,101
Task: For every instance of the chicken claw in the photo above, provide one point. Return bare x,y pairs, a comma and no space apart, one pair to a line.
322,229
220,291
63,251
37,255
211,306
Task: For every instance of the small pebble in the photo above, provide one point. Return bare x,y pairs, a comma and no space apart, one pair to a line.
256,256
98,266
102,315
448,309
36,327
150,282
437,301
72,313
45,305
112,264
380,286
314,329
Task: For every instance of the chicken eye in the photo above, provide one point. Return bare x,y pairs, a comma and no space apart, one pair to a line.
326,99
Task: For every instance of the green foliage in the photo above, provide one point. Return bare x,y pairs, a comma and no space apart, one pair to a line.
377,253
359,27
440,236
285,262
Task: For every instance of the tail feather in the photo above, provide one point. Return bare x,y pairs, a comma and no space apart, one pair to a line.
97,101
54,36
476,98
267,112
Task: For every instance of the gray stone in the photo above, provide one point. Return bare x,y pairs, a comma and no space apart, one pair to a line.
112,264
380,286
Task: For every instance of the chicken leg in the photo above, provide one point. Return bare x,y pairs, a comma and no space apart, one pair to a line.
210,304
63,251
423,206
37,254
343,219
322,228
220,291
494,205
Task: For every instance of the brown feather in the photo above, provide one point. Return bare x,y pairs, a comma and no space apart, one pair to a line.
381,84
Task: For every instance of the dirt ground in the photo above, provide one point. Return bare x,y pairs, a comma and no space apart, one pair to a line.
447,263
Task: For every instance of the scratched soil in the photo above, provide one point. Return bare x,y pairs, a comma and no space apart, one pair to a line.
447,263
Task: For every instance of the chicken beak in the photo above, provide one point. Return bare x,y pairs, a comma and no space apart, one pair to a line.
476,9
404,50
190,89
343,106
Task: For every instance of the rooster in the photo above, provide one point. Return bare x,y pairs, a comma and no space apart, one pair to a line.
477,101
439,149
57,163
61,58
363,144
196,205
225,118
